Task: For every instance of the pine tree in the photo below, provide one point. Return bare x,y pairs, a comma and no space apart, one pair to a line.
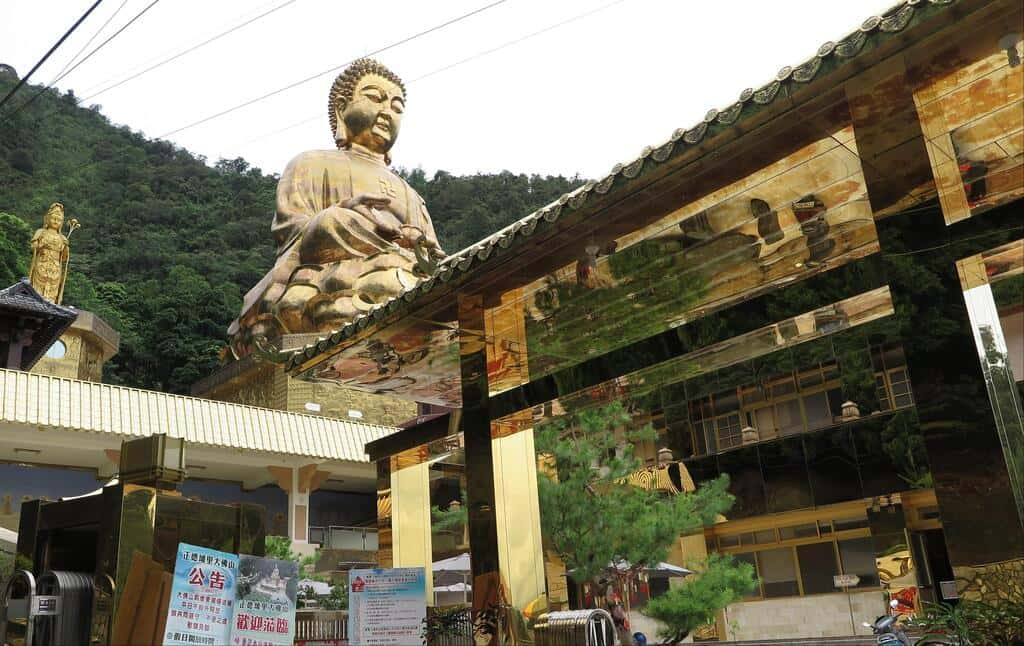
604,529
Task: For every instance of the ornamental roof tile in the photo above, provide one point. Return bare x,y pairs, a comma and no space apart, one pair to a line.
829,57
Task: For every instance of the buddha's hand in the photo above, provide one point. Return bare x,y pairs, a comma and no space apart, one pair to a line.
413,236
365,204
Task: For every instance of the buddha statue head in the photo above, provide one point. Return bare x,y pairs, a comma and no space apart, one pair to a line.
54,218
365,106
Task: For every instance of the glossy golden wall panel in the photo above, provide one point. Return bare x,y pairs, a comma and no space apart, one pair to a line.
138,524
803,214
415,360
410,519
972,115
520,554
848,313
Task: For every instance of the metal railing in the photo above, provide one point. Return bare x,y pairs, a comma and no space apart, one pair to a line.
575,628
321,625
339,537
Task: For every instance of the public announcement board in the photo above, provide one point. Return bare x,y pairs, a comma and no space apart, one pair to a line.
202,596
386,606
264,602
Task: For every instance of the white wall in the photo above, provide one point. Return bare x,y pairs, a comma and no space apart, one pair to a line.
1013,331
820,615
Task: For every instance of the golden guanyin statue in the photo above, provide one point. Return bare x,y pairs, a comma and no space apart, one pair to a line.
50,255
350,232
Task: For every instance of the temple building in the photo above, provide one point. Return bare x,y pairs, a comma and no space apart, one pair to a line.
816,290
61,427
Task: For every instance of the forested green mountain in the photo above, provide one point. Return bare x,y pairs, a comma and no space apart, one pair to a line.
169,244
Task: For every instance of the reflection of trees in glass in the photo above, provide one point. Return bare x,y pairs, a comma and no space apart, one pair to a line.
649,286
451,518
903,443
591,518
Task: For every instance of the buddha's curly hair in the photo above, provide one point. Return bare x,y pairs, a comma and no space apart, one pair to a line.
345,85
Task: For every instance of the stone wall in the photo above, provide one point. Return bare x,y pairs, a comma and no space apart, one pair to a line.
268,386
992,584
82,359
335,401
820,615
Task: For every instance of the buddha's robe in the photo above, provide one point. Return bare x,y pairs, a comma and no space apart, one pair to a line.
334,262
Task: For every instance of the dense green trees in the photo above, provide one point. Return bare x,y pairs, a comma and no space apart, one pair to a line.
169,244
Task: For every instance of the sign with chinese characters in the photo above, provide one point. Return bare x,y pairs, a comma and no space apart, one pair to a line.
845,580
386,607
202,597
264,602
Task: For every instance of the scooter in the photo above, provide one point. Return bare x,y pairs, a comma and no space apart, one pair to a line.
885,629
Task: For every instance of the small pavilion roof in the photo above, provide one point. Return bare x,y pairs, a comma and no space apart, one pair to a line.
21,300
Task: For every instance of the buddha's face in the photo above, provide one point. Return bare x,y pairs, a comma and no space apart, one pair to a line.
373,116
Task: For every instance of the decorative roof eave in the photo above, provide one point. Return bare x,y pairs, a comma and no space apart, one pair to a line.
830,57
22,300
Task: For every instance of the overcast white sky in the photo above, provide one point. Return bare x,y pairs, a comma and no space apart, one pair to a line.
576,99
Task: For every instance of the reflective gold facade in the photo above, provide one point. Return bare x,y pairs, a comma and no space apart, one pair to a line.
814,291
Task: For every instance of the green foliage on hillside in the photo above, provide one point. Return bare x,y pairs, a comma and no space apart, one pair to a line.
169,244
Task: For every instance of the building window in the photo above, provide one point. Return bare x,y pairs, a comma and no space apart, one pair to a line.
818,565
778,572
858,557
807,399
728,431
794,561
57,350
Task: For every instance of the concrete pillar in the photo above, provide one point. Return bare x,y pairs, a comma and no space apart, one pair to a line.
298,483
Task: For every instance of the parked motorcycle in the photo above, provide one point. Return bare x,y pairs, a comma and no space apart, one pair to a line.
886,631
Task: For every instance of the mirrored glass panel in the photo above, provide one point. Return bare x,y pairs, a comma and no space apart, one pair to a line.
801,215
971,107
449,529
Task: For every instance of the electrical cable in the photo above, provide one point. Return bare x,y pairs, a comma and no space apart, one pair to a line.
42,60
481,54
332,69
189,50
87,57
89,42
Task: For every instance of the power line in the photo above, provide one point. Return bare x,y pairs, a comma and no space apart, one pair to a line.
481,54
25,78
519,40
190,50
332,69
89,42
87,57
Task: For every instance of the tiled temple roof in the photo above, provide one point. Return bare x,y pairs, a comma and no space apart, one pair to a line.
22,300
830,57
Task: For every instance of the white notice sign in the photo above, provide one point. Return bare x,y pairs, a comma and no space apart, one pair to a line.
845,580
386,606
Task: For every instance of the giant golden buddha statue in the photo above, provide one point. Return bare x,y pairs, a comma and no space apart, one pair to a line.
350,232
